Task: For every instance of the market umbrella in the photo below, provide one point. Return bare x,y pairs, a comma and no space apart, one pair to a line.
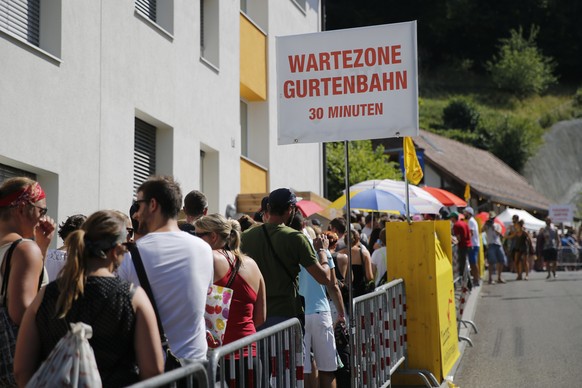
420,200
336,208
378,200
445,197
484,216
308,207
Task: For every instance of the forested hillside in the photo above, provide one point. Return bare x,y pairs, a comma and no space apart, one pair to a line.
468,31
497,75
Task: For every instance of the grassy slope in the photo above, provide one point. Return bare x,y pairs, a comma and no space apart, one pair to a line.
436,91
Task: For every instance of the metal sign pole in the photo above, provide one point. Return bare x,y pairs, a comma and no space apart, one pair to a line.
407,200
352,320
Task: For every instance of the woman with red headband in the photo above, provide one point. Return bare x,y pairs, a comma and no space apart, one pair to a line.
25,234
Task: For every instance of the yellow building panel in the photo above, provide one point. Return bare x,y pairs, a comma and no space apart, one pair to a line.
253,178
253,61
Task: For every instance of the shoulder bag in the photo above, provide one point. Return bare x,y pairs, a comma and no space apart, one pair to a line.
172,361
8,330
71,363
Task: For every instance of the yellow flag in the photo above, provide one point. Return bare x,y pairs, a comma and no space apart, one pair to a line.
467,192
413,171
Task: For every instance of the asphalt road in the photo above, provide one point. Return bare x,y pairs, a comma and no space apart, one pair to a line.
530,334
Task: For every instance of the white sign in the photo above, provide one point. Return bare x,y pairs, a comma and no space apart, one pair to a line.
352,84
561,213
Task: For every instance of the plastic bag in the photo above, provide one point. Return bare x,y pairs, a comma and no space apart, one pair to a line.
216,314
71,363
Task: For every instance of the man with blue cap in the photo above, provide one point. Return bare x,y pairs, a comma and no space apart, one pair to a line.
278,251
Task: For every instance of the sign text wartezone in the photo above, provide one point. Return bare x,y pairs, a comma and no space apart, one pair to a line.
348,84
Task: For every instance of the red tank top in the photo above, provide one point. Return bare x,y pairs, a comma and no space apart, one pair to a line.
240,317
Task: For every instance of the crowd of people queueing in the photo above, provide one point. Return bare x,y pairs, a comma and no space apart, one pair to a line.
289,268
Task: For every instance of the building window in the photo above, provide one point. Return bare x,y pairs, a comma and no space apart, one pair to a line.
144,153
147,8
209,40
22,19
7,172
160,13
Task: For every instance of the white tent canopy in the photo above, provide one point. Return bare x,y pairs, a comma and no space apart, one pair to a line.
529,222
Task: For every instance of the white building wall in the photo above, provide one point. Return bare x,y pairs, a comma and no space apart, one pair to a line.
71,119
299,165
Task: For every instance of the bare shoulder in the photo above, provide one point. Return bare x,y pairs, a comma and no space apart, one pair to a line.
250,265
140,298
27,252
341,256
28,246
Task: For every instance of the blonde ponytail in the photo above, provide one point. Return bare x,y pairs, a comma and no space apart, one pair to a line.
71,281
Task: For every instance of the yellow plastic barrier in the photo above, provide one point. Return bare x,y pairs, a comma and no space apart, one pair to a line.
421,254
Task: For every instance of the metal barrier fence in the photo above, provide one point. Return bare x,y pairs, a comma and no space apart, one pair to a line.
272,357
191,375
379,349
569,257
277,362
461,293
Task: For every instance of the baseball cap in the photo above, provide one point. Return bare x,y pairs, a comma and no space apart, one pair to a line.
454,215
469,210
281,198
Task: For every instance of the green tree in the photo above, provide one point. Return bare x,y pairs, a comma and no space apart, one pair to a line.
520,67
365,163
513,139
461,114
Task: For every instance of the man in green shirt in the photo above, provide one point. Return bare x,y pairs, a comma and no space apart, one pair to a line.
278,251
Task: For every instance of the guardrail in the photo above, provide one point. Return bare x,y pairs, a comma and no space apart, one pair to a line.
272,357
277,361
380,343
569,257
461,293
191,375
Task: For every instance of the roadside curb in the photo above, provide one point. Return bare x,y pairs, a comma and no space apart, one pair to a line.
468,315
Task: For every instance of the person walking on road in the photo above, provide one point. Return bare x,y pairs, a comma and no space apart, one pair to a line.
550,245
510,240
522,246
495,255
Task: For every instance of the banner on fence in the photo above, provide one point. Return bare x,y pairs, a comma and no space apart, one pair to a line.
420,253
352,84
